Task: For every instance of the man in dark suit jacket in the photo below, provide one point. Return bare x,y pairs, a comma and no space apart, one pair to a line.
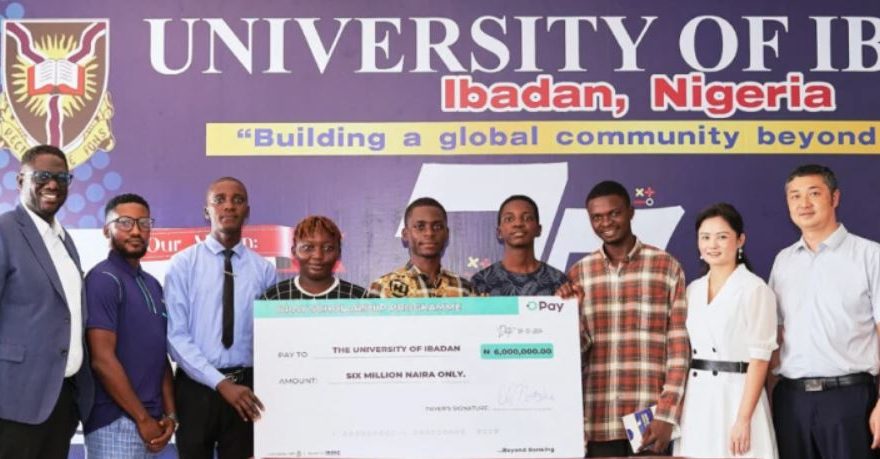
46,387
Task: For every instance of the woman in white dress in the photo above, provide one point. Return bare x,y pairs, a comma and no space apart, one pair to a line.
732,327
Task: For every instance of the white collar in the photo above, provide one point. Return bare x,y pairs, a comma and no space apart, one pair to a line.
44,227
304,292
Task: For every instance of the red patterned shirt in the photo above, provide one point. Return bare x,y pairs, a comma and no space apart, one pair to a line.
635,314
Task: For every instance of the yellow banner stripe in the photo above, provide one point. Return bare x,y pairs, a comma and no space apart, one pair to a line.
541,137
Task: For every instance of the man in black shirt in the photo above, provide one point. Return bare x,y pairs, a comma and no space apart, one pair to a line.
519,273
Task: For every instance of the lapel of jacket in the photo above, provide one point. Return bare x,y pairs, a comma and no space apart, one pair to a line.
74,255
38,247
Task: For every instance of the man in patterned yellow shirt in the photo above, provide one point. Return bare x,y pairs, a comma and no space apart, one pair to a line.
425,234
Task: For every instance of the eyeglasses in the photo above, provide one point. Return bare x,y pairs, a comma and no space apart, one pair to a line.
307,249
127,223
43,177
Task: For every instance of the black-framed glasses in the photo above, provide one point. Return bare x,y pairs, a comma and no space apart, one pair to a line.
43,177
127,223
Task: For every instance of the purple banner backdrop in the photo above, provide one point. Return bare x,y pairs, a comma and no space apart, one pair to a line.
159,118
175,67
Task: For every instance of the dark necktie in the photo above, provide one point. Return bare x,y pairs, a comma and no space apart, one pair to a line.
228,298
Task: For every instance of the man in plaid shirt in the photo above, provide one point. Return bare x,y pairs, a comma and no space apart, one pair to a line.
633,307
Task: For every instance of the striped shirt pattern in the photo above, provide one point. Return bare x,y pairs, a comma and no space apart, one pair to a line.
290,290
410,282
635,314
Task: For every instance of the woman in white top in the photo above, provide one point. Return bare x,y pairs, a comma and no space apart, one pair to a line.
732,327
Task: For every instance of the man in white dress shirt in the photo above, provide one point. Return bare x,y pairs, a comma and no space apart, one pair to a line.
46,386
828,289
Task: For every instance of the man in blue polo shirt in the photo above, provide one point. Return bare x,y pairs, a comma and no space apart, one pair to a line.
133,415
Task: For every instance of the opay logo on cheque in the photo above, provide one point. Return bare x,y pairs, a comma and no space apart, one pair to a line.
544,306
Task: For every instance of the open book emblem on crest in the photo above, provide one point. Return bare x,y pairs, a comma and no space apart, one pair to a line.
55,87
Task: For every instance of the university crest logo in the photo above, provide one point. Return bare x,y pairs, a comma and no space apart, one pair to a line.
55,87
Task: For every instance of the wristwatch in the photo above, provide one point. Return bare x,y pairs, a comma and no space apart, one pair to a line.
173,417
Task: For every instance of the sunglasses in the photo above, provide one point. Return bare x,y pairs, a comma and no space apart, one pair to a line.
43,177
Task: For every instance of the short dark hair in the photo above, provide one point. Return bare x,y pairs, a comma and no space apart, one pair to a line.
733,218
125,198
225,179
609,188
814,169
31,154
423,202
519,197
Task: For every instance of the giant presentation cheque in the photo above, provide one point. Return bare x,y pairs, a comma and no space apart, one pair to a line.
419,378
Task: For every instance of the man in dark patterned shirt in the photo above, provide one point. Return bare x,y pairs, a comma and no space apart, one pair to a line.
317,246
425,234
519,273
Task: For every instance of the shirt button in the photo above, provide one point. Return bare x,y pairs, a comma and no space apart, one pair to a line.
695,352
714,372
694,374
713,350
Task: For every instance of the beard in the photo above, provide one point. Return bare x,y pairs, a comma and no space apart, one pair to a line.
126,253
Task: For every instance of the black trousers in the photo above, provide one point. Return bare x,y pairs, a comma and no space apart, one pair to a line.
49,440
615,448
208,422
831,424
